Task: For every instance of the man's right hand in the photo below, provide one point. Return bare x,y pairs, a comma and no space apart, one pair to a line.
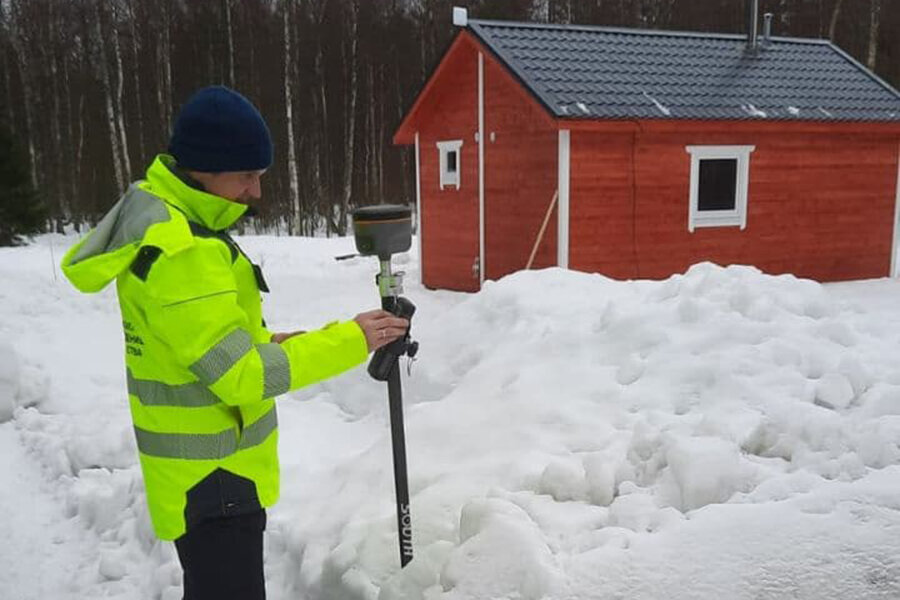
381,327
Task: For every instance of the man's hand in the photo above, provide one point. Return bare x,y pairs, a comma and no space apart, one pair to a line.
381,327
277,338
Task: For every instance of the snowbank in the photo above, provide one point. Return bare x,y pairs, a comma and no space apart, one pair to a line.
720,434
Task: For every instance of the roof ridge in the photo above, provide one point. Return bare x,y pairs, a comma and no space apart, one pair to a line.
637,31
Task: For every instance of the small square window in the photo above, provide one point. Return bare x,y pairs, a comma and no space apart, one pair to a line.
718,184
718,187
449,158
451,161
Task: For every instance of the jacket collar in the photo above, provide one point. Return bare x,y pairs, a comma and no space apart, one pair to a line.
209,210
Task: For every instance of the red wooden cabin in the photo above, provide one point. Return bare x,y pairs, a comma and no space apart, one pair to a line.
650,151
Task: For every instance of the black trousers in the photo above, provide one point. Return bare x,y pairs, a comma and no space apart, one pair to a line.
223,558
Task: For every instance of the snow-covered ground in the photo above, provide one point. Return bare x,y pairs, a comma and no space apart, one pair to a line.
720,435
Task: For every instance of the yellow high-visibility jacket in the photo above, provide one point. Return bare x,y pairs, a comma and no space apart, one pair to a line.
202,374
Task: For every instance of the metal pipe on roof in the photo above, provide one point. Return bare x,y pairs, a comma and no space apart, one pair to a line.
767,26
753,24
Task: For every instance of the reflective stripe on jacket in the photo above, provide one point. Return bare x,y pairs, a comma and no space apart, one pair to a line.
202,374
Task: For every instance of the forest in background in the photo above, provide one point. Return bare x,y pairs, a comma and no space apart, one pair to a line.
89,88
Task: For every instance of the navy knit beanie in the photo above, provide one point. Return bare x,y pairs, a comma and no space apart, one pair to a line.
218,130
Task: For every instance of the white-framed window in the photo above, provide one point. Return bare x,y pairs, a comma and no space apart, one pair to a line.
720,176
450,162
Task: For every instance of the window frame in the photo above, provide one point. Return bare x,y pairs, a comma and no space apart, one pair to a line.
719,218
444,149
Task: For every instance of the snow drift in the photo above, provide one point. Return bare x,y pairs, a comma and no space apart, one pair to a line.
720,434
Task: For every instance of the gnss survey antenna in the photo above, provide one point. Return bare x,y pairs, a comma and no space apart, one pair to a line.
381,231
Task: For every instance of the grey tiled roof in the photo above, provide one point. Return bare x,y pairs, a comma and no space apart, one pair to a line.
596,72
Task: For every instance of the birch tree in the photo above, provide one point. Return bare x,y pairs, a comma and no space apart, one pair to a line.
108,99
835,14
350,119
229,36
293,185
164,68
115,9
874,24
135,74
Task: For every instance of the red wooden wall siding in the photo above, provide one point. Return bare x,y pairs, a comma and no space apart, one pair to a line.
450,216
601,233
820,205
520,174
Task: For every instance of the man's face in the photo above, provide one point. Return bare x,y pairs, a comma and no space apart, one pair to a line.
238,186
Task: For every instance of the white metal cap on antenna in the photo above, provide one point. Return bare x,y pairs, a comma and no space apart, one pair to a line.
460,16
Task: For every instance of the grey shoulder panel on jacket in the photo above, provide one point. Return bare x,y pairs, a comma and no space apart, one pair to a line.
125,223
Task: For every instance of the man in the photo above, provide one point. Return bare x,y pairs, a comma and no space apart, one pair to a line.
202,369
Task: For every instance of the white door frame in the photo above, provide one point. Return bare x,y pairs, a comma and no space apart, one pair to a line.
896,219
481,264
562,215
419,216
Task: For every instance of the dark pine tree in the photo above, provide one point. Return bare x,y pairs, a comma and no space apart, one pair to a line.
21,213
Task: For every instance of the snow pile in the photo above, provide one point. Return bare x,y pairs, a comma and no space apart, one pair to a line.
9,380
720,434
586,416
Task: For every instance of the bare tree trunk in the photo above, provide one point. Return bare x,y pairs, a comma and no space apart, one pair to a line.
135,72
107,94
323,154
230,36
7,72
120,87
164,86
294,186
72,191
350,122
79,147
25,78
874,24
370,128
315,154
160,85
404,152
315,162
637,13
382,93
56,134
82,46
835,13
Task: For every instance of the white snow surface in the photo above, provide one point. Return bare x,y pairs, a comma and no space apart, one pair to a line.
720,434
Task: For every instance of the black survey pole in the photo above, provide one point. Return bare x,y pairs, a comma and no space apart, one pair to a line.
385,366
401,482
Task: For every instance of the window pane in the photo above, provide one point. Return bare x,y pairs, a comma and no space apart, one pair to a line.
718,182
451,162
